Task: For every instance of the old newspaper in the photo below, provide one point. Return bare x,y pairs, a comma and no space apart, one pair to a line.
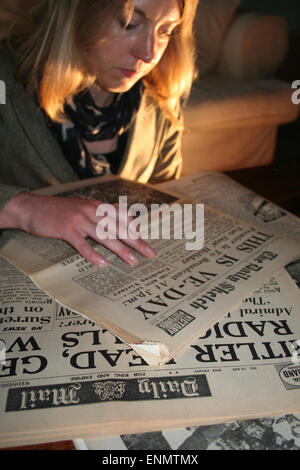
270,433
225,194
161,306
64,377
278,432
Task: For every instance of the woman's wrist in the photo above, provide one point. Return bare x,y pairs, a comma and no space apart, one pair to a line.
13,213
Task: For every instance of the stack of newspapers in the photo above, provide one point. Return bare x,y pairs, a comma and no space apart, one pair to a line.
207,331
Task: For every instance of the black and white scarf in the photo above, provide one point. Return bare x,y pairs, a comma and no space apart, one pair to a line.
89,122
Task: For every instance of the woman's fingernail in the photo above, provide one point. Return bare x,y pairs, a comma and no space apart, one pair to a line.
150,251
101,262
132,259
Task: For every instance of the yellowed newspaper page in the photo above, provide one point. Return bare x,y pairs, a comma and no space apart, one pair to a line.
161,306
64,377
220,191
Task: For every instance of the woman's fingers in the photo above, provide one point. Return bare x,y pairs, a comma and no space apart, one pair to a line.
74,219
120,247
77,239
86,250
115,224
111,229
141,247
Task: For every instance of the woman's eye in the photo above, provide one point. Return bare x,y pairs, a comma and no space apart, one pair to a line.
131,26
125,25
164,33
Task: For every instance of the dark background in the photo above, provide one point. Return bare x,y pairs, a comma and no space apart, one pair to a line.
290,9
288,140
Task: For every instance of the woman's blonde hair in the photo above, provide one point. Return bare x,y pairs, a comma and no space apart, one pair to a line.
51,57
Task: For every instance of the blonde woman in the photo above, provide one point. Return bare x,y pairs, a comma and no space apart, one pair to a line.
93,87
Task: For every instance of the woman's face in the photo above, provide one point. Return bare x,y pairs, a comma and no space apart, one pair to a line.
129,53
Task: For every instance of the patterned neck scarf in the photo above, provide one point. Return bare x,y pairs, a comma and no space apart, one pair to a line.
91,123
94,123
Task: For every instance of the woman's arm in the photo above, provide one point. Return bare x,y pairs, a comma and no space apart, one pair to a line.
72,220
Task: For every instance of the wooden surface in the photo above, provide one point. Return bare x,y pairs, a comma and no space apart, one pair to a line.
278,183
64,445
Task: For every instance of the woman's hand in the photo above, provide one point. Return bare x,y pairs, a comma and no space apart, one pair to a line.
72,220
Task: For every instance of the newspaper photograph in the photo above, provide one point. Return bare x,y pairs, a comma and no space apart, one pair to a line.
162,305
64,377
272,433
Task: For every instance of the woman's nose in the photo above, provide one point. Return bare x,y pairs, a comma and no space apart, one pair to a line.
146,48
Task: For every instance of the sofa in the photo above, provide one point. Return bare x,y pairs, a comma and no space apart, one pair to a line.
236,104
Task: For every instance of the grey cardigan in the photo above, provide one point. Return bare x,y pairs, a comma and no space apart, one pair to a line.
30,157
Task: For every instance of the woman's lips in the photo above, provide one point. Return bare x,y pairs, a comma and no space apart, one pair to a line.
129,73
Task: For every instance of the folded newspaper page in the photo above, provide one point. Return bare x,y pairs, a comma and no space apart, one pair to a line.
272,433
227,195
62,376
162,305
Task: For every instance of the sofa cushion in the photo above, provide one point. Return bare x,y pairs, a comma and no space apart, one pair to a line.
212,20
218,102
254,47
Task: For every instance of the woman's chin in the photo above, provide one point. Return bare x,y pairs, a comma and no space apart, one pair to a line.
119,86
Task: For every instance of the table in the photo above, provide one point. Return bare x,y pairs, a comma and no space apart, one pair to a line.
279,183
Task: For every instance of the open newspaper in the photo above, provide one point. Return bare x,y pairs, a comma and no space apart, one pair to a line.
64,377
222,192
161,306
